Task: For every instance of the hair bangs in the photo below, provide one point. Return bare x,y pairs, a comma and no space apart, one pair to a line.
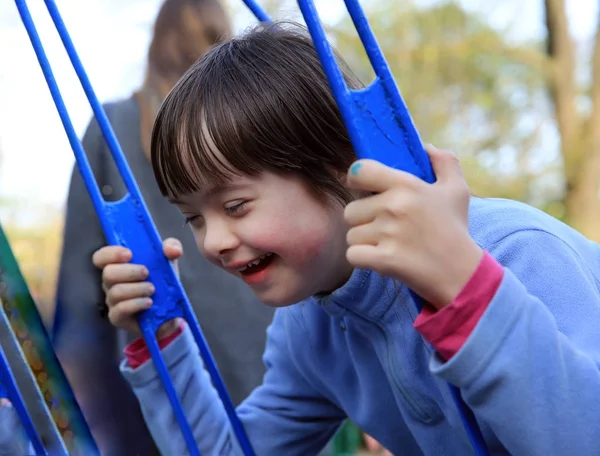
185,157
219,124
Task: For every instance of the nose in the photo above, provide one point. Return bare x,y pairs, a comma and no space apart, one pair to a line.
218,240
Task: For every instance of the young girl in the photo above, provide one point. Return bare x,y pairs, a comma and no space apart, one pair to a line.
251,148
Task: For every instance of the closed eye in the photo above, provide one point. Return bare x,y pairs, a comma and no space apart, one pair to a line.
191,219
237,208
234,210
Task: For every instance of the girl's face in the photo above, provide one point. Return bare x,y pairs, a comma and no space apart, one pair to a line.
273,233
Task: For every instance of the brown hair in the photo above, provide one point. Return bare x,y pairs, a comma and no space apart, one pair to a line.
261,102
184,30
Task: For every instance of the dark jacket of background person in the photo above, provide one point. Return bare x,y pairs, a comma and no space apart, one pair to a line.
232,319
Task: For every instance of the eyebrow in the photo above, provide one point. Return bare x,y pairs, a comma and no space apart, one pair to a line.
212,191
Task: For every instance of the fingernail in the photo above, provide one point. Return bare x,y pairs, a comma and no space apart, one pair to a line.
125,256
147,302
354,168
144,272
150,290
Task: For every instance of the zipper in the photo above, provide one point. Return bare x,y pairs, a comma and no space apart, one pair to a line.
416,410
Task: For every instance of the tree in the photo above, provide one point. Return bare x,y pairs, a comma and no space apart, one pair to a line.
36,247
466,88
577,112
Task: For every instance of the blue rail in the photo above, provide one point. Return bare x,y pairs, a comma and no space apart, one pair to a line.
257,10
8,382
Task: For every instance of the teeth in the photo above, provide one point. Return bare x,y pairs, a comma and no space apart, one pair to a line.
255,262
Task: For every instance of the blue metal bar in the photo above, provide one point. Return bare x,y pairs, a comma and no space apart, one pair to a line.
128,223
258,11
380,128
7,380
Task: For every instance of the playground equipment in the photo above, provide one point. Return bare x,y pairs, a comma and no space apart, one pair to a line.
36,384
379,126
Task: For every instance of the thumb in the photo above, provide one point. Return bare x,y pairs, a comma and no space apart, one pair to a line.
446,166
172,249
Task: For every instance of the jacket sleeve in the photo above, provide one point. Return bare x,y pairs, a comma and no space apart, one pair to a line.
530,369
13,439
285,415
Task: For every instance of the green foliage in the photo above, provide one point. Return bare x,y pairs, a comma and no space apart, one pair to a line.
467,89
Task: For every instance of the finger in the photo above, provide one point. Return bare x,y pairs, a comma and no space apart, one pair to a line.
365,256
371,444
110,254
359,212
125,291
362,235
123,315
363,210
446,165
172,249
372,176
119,273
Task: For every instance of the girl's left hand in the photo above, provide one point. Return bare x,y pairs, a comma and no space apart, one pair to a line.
413,231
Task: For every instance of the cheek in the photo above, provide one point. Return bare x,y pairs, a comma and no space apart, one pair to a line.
313,243
268,236
299,239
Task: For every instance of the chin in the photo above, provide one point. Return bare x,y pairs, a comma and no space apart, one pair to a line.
280,299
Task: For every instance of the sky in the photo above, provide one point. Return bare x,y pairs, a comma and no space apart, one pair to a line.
111,37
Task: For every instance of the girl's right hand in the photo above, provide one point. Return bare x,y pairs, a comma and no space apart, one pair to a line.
127,292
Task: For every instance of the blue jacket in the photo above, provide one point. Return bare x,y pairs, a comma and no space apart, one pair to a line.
13,440
529,371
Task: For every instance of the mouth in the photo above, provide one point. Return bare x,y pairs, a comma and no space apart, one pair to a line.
257,265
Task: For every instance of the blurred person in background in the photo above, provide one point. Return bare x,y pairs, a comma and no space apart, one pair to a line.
231,319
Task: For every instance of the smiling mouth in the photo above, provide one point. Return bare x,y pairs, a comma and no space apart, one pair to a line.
257,265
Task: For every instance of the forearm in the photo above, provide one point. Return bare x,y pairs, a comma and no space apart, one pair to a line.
203,408
284,415
525,379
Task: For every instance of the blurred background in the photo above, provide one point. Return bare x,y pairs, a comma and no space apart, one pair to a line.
511,86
